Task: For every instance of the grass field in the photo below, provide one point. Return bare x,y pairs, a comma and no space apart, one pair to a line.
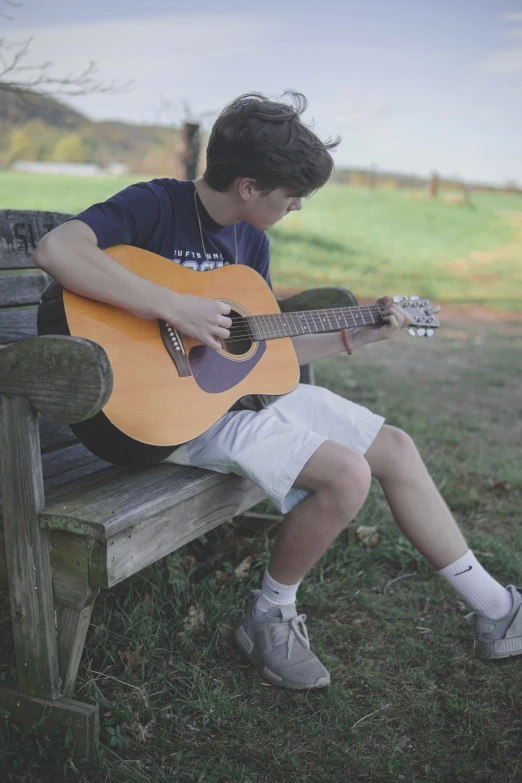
408,701
371,241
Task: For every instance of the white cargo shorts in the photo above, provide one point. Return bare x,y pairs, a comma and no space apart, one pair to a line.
273,445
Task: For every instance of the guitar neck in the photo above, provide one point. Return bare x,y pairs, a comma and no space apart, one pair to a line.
269,327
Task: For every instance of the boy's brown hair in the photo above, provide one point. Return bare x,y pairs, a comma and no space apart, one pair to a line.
267,141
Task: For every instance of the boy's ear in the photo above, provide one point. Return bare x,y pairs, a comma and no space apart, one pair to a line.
246,188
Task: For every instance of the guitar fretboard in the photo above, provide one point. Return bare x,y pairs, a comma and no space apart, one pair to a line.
267,327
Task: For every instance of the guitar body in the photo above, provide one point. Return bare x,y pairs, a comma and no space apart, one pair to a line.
164,397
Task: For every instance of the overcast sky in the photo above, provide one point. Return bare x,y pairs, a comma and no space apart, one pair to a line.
410,85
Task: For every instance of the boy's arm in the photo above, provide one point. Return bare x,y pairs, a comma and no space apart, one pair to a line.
70,254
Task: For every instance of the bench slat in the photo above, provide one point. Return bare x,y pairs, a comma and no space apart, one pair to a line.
101,505
17,323
75,455
20,232
22,289
150,539
53,435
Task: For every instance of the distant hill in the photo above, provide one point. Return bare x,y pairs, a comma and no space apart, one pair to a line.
18,109
44,120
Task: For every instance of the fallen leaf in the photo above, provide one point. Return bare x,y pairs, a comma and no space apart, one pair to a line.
222,576
143,732
225,631
131,658
189,562
369,536
195,617
500,486
242,569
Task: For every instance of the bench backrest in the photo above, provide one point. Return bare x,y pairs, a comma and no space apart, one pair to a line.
21,283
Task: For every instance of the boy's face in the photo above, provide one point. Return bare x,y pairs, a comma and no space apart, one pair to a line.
263,211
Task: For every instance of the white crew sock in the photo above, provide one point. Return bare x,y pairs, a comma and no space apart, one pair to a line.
477,587
274,594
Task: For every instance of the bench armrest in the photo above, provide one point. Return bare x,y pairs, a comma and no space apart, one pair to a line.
67,379
318,299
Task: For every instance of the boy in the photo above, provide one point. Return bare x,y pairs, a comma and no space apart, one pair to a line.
314,453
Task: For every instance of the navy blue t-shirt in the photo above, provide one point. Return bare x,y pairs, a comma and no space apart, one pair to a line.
161,216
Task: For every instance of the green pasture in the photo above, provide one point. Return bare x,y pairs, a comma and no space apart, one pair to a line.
180,704
372,241
408,702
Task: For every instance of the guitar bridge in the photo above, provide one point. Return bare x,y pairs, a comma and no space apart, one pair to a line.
174,345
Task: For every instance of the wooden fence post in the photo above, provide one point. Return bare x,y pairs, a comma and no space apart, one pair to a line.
191,147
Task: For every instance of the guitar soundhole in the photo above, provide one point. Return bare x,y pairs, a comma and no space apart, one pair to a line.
240,340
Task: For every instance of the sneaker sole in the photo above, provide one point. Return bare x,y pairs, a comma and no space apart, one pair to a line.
502,648
247,648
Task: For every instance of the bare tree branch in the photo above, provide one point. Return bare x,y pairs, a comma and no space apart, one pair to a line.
19,76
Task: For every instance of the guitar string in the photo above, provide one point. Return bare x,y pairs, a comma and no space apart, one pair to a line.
313,321
240,332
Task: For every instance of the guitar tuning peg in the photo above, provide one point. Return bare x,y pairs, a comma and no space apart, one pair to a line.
398,298
414,298
429,332
412,332
421,332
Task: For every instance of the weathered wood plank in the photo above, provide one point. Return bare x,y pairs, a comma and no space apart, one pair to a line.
20,232
72,626
22,289
148,540
67,379
27,549
54,434
68,458
64,465
70,569
18,323
317,299
113,500
81,718
87,468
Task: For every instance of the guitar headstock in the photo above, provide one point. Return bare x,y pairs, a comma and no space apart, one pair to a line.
423,313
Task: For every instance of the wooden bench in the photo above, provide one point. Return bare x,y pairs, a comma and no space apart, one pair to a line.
71,524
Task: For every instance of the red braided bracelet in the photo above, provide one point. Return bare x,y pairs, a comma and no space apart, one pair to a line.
345,342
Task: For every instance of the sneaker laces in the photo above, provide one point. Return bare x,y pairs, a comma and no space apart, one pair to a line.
287,632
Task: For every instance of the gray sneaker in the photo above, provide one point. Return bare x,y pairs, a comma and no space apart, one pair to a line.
278,646
500,638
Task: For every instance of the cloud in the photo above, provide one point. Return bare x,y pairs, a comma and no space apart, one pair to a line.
368,107
507,61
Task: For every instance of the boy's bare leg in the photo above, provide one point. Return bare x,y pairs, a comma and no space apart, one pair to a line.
339,478
418,508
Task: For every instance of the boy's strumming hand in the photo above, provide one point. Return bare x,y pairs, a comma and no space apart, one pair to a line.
205,320
396,319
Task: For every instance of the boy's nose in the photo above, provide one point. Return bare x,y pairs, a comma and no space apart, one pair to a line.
296,205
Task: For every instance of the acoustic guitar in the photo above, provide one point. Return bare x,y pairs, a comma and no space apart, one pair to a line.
169,388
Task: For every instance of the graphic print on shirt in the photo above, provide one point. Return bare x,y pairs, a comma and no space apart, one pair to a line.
192,259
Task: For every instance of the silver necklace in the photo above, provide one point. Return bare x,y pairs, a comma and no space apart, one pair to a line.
201,230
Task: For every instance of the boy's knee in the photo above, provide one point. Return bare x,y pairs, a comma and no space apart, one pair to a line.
350,480
400,443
